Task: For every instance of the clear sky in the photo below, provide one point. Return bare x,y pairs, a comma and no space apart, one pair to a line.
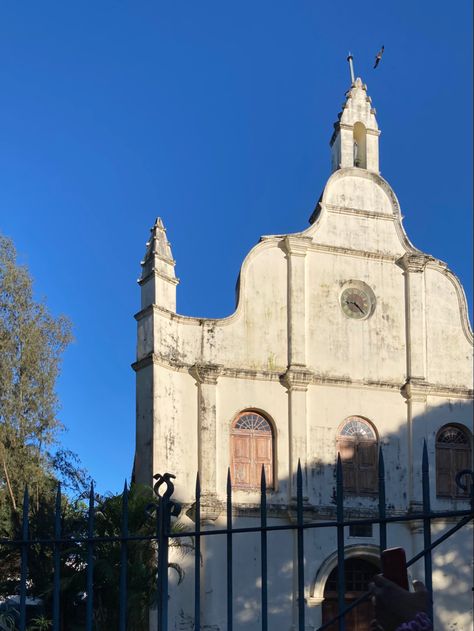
215,116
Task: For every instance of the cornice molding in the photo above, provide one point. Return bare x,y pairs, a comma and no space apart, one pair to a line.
154,272
419,389
335,249
359,212
304,377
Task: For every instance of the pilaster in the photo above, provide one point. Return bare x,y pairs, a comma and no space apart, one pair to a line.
296,380
415,393
296,248
206,376
413,266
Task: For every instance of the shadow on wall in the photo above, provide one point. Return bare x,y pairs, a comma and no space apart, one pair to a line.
452,571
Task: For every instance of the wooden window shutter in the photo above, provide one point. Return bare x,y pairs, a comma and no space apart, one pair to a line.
443,471
241,460
251,449
453,454
367,466
358,447
347,450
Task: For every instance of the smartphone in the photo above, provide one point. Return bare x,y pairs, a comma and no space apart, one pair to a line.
394,566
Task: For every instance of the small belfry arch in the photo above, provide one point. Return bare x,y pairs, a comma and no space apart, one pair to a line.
360,145
252,446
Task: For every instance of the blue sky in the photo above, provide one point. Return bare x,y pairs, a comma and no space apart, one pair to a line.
215,116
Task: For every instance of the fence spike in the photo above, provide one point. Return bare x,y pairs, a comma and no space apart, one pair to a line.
230,616
300,546
123,604
197,557
57,561
24,558
382,512
90,562
264,549
341,582
425,481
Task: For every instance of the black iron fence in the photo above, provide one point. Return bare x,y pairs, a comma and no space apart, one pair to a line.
166,508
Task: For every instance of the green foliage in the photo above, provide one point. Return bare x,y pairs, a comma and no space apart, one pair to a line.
141,562
40,624
32,342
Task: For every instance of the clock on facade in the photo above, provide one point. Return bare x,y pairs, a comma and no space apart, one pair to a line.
357,300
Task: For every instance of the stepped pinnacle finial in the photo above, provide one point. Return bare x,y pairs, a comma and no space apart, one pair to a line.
158,280
158,245
351,66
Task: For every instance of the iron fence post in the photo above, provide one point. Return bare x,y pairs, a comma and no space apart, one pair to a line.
230,615
123,562
425,477
90,562
24,559
197,557
162,536
57,561
341,579
382,514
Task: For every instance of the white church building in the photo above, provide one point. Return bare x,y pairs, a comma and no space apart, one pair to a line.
345,337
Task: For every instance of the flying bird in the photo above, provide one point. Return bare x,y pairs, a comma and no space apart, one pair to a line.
378,57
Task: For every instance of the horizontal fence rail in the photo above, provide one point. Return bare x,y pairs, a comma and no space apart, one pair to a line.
164,508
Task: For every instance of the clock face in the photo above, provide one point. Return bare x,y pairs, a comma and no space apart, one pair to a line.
357,302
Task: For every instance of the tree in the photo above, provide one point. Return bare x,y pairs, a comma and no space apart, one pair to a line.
32,342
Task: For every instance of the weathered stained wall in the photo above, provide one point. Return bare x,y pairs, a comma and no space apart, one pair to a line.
290,352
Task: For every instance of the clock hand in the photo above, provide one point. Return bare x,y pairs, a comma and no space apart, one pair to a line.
352,302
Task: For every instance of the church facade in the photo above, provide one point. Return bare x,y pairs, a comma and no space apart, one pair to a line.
345,338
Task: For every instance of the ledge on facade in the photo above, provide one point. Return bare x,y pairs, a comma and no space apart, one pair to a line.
419,388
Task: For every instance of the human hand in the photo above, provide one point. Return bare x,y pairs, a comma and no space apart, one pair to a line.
394,605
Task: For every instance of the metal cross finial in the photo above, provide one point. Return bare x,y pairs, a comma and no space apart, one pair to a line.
351,66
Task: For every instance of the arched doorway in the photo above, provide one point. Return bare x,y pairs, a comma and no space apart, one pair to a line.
358,574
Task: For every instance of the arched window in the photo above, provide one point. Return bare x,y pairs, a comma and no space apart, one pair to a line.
358,573
357,444
360,146
453,454
251,448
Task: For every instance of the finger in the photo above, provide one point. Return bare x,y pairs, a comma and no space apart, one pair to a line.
381,581
419,586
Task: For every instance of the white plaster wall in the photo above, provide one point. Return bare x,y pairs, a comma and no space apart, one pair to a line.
386,410
355,367
449,352
356,349
175,439
354,188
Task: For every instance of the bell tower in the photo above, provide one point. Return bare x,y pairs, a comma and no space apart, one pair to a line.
355,141
158,280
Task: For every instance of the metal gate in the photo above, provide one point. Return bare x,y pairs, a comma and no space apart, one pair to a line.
166,508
